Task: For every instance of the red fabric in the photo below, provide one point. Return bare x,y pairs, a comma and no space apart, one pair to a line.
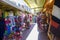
15,20
7,21
30,18
54,24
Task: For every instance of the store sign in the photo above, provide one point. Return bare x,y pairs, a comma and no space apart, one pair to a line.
15,3
18,4
12,2
26,8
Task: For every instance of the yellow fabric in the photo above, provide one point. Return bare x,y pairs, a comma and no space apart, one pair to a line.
6,14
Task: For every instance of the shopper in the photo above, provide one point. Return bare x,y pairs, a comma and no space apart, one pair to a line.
27,21
34,18
38,19
2,26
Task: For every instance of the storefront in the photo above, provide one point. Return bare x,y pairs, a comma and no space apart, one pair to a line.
12,14
10,11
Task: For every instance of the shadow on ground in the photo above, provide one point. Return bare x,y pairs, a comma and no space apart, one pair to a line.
42,36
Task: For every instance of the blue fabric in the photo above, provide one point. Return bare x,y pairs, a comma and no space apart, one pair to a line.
8,30
16,29
2,27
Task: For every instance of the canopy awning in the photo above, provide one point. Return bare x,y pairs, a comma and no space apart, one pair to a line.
35,4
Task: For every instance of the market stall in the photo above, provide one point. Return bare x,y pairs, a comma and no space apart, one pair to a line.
9,10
